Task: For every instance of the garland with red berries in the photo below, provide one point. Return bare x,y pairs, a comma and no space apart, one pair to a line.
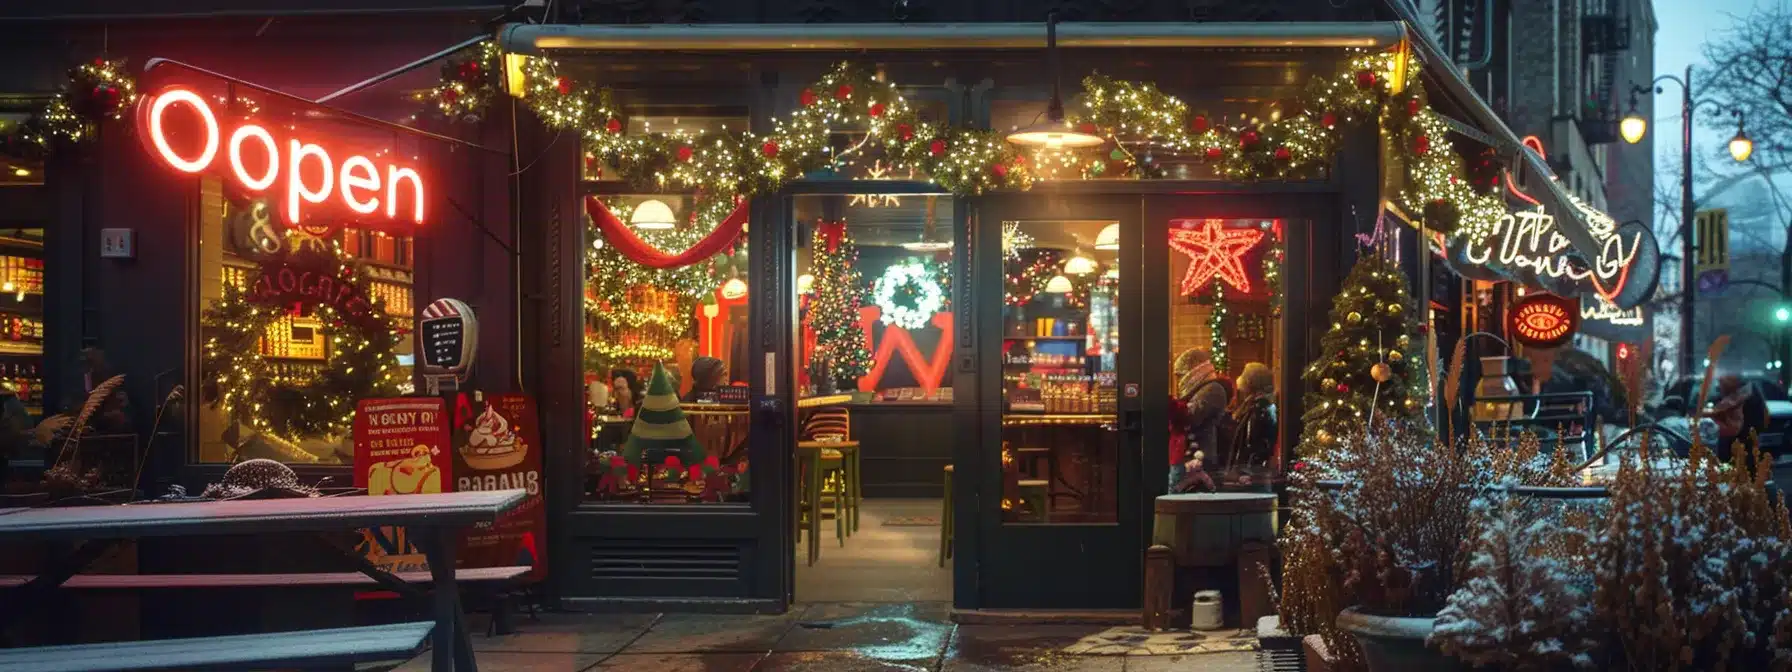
96,92
723,168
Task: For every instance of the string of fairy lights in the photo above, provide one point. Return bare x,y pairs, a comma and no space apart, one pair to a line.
1137,118
254,392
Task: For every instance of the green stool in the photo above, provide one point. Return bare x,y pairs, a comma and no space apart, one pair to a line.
946,520
819,462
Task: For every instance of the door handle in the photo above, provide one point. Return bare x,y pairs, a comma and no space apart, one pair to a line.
1132,420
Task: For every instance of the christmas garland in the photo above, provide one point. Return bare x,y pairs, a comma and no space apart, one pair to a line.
907,295
96,92
724,168
251,391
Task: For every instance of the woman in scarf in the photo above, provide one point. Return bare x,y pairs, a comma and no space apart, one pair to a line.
1255,412
1204,395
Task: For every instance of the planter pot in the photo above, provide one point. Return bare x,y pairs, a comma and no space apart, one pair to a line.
1392,643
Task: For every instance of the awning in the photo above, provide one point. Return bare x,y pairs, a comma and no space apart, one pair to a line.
536,39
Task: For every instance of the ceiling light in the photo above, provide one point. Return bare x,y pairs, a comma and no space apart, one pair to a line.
1079,265
1054,132
1109,238
21,172
653,215
1058,285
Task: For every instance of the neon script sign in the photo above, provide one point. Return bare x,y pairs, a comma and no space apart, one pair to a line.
182,130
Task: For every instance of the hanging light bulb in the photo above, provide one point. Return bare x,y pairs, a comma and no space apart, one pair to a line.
653,215
1058,285
1740,146
1109,238
1054,132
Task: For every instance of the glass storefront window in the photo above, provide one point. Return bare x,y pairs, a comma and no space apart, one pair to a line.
690,321
1225,313
311,363
23,367
1060,443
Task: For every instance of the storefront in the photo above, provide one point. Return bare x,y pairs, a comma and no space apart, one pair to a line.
790,237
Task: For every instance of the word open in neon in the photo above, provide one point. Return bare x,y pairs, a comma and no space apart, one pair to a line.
304,173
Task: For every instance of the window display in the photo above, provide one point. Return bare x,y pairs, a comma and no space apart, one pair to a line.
1060,337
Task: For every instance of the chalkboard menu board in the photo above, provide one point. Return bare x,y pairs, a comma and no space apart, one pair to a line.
447,335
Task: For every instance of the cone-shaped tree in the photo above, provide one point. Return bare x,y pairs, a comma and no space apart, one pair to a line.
1374,324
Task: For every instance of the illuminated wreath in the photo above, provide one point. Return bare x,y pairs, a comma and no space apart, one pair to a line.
908,295
254,392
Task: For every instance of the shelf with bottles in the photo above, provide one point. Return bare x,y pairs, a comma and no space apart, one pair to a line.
1059,394
26,380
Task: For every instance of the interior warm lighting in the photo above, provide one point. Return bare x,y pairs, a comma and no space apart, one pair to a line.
1741,147
805,284
1112,274
653,215
515,82
1054,135
1633,127
21,172
734,288
597,243
1079,265
1109,238
6,287
1058,285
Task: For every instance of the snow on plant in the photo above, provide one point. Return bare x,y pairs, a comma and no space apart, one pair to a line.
1695,567
1526,601
1389,537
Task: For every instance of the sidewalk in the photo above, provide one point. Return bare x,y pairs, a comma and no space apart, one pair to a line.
839,637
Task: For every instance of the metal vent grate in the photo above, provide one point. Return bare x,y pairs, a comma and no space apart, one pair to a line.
1281,661
651,560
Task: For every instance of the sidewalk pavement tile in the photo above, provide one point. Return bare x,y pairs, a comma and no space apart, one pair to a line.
682,662
517,662
888,632
839,661
705,633
1234,661
1136,641
1037,662
570,633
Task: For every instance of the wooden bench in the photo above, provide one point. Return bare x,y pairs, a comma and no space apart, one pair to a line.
501,576
306,649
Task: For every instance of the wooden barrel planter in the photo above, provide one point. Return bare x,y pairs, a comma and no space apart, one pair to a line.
1210,540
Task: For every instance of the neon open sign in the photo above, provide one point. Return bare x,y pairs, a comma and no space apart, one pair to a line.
181,128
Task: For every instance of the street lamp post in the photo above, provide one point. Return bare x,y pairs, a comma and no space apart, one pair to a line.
1632,128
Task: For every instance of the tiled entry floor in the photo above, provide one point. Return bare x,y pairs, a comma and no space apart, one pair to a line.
842,638
879,563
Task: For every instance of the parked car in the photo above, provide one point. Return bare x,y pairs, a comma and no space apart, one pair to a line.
1779,406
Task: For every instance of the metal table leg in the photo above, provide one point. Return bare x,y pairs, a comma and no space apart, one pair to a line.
450,629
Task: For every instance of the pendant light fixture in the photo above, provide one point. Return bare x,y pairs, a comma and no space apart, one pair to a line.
1109,238
1058,285
931,240
1053,132
652,215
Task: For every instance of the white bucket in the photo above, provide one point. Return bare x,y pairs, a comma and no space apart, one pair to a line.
1207,611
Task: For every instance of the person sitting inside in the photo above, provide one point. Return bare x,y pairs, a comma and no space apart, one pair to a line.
1254,443
625,391
708,376
1205,395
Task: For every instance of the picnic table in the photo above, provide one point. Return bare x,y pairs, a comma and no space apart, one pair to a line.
432,519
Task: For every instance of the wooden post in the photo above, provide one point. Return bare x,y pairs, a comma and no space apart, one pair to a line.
1253,591
1160,582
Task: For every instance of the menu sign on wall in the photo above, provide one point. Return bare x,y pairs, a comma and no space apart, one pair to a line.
498,447
401,448
447,337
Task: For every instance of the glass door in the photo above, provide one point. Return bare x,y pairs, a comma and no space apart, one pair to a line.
1059,404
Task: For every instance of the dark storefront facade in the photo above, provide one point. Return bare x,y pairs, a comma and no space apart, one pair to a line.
1061,343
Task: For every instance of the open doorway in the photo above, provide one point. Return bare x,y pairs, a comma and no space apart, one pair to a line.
875,434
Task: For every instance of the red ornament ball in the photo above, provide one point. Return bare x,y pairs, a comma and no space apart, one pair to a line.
1343,389
674,464
450,96
844,92
1198,124
1328,120
684,153
470,72
1421,144
1365,79
905,132
877,109
1283,154
1000,169
769,149
613,126
1249,138
563,85
1086,127
936,147
807,98
1214,153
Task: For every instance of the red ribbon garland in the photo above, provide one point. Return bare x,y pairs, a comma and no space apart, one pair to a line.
831,234
620,235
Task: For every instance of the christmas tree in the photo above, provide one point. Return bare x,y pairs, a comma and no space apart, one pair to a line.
1368,357
635,313
661,437
834,308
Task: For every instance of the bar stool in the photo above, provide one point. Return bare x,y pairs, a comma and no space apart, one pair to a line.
819,461
946,520
1033,494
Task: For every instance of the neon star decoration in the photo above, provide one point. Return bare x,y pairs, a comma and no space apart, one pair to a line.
1213,251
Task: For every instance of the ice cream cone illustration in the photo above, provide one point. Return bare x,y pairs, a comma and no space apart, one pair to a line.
493,444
